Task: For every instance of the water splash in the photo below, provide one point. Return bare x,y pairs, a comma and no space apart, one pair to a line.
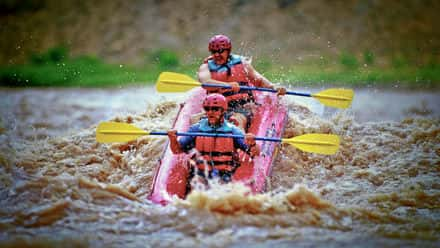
382,186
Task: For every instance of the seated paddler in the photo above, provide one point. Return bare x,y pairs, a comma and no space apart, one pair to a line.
215,157
225,68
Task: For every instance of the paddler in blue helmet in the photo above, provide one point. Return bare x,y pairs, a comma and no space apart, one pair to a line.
223,67
217,156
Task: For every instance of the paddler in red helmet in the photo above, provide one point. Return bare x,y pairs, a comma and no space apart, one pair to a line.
223,67
216,155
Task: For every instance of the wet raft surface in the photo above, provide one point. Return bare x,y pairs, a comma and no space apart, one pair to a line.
381,189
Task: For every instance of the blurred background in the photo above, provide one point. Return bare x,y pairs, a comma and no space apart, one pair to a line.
113,43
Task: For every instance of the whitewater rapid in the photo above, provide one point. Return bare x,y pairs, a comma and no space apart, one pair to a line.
58,186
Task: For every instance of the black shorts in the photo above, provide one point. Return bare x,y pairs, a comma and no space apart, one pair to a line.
224,176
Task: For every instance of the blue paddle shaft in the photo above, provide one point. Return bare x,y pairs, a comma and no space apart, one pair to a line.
258,89
217,135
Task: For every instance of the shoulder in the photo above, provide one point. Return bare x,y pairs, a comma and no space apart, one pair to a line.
202,126
241,58
226,127
203,74
247,62
235,129
205,61
203,66
235,59
196,127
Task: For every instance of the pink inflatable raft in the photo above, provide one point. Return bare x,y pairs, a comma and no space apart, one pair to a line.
268,121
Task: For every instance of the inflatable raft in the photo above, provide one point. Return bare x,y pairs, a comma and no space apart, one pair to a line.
268,121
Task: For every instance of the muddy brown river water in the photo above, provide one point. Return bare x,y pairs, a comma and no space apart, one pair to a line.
59,188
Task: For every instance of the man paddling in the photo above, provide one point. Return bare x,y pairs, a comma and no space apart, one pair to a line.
223,67
217,156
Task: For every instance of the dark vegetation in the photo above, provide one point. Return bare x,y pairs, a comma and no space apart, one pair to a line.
114,43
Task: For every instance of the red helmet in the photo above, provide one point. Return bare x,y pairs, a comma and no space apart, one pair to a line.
215,100
218,42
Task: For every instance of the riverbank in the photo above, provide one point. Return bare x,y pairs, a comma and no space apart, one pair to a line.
77,74
55,68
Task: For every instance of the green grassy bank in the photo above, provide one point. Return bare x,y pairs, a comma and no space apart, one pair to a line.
55,68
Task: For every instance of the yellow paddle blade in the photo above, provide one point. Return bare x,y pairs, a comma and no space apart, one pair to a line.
315,142
108,132
175,82
337,98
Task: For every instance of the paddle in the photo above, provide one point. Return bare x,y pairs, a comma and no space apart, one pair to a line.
108,132
176,82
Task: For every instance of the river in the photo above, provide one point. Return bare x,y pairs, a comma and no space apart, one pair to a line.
58,187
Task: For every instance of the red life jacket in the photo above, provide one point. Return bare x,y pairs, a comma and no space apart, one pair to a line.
232,71
217,152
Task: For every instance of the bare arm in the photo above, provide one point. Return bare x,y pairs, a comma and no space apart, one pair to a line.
259,80
204,76
174,144
254,149
255,77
